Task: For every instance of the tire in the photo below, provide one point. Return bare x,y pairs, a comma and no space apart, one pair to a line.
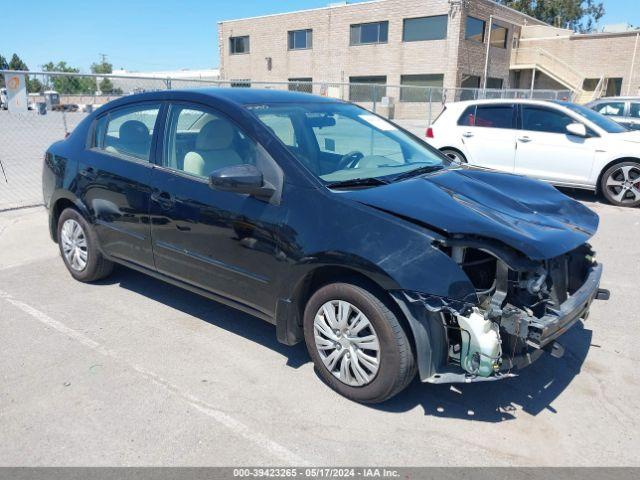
395,359
620,184
88,264
454,155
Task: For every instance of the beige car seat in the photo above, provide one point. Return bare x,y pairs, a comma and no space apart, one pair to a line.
214,149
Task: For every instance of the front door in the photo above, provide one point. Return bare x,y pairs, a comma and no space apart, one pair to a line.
545,149
113,181
223,242
488,133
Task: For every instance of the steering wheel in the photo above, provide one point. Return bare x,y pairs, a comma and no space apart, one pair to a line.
350,160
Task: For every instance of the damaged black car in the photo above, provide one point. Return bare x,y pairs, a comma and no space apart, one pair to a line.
339,227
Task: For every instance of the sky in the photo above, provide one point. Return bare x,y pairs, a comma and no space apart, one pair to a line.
150,35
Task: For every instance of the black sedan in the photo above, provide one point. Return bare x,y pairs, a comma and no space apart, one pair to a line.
332,223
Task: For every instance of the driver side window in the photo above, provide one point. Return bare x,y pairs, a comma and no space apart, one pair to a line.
201,141
537,119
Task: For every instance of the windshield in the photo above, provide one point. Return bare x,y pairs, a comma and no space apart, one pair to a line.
600,120
344,143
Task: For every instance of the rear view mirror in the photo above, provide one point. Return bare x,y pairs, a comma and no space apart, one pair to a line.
577,129
320,121
244,179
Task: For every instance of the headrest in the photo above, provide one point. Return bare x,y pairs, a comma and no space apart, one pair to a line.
215,135
134,131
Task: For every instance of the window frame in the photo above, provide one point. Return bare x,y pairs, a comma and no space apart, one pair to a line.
360,25
308,39
547,108
515,124
404,27
232,43
163,145
91,145
505,44
484,30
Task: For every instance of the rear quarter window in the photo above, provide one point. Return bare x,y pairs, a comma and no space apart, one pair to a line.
488,116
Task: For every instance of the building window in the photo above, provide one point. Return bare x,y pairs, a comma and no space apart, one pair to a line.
421,88
475,29
367,89
495,83
425,28
238,45
301,85
499,36
471,83
366,33
240,83
300,39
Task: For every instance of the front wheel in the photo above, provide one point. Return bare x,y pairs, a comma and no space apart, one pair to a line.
621,184
79,248
357,344
454,155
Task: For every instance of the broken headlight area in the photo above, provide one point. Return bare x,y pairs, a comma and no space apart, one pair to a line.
520,308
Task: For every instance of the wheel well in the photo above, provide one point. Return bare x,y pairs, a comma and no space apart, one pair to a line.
331,274
455,150
59,207
611,164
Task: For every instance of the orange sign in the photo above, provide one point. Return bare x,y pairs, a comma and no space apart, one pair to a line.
13,83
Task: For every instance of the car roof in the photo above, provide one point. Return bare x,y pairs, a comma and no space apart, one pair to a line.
613,99
239,96
502,101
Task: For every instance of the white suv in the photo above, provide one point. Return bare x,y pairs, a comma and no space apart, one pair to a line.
558,142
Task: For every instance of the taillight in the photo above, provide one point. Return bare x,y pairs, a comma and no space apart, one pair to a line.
430,132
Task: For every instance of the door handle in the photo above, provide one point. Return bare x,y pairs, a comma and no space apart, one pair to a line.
524,139
164,199
467,134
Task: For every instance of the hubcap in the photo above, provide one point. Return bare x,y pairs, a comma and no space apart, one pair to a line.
454,156
347,343
624,184
74,245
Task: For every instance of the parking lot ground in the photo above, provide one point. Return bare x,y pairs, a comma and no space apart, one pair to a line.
132,371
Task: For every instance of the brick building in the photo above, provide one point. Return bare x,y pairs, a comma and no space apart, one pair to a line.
437,43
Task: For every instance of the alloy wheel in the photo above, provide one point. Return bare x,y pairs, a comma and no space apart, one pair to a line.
74,245
623,184
347,343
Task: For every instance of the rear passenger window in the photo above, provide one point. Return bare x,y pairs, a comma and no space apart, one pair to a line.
538,119
488,116
127,131
635,110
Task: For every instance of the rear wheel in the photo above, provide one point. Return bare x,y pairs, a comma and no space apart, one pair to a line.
620,184
79,248
357,344
454,155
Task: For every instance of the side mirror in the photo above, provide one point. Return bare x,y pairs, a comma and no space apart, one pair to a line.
577,129
244,179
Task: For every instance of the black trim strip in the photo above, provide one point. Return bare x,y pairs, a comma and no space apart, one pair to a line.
111,226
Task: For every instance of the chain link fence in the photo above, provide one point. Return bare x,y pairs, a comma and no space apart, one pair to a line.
59,102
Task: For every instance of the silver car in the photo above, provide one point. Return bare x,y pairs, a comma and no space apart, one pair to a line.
624,110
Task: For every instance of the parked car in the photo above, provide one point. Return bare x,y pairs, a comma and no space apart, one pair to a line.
335,225
624,110
4,103
561,143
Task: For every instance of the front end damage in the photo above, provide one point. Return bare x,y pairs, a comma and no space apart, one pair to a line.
519,310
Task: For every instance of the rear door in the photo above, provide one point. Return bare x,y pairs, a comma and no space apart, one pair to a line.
113,180
546,151
488,133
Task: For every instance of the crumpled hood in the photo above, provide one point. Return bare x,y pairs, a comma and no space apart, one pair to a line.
526,214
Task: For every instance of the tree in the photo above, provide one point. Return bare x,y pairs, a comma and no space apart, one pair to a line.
105,85
4,65
16,63
69,84
578,15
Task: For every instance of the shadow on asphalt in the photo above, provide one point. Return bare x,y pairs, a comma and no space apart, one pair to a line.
208,311
533,391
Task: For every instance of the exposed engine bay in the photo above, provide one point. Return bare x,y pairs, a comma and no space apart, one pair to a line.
522,307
